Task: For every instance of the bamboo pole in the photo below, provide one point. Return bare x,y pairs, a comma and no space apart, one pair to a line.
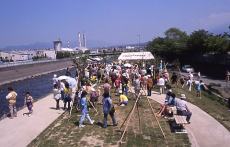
122,136
156,118
154,115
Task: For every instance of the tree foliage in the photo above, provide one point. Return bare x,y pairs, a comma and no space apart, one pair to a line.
177,42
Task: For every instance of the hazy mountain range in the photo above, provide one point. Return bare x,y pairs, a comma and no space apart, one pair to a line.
49,45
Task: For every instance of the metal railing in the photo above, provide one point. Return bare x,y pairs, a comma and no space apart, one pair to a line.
10,64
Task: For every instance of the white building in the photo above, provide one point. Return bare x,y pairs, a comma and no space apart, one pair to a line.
14,56
49,54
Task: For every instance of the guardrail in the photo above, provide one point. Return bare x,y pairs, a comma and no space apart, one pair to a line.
10,64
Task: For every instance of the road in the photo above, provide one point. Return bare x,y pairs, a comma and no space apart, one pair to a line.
10,74
221,85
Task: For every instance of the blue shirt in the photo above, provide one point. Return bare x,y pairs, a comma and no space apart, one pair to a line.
107,105
83,103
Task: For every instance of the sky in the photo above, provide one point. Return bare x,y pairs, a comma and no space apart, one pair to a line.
110,21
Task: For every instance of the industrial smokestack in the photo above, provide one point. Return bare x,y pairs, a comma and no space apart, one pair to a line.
79,39
84,40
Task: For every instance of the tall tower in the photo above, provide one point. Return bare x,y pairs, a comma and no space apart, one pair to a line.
84,40
79,39
57,45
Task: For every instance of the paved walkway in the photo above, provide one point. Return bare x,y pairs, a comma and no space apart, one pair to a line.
204,130
20,131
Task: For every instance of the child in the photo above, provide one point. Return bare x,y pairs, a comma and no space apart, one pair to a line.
57,95
29,102
123,99
67,98
84,110
108,109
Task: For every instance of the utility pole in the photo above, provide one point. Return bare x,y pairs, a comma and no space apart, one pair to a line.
139,41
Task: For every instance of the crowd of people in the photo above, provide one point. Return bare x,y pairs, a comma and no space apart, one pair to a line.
96,83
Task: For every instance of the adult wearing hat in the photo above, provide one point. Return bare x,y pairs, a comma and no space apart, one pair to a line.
182,108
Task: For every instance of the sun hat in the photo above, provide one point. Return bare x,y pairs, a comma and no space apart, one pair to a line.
182,96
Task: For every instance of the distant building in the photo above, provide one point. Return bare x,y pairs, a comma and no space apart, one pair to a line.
57,45
49,54
14,56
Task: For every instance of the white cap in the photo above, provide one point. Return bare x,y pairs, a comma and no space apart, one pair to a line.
182,96
55,76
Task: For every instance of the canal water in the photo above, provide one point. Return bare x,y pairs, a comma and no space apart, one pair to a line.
39,87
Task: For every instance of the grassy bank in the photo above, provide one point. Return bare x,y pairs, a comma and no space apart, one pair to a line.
208,102
65,132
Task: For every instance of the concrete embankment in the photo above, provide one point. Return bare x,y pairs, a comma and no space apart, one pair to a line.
20,72
21,130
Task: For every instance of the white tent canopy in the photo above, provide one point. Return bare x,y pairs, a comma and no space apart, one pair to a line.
136,56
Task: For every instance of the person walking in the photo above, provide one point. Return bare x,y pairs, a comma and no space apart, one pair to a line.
84,110
108,109
29,103
11,97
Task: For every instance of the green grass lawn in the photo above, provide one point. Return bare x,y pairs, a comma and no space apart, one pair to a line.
208,102
65,132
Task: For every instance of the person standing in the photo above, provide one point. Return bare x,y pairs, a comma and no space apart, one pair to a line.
108,109
11,97
161,84
29,103
67,98
57,95
84,110
137,86
149,85
174,78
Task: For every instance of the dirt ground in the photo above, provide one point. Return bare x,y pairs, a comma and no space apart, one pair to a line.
142,129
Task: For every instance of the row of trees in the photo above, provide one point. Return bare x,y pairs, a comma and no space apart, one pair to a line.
177,42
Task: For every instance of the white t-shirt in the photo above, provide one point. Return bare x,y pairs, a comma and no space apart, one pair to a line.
161,82
62,86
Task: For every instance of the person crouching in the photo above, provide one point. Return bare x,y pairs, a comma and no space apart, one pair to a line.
84,110
123,99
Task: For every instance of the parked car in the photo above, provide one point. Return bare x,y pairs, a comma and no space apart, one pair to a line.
187,68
